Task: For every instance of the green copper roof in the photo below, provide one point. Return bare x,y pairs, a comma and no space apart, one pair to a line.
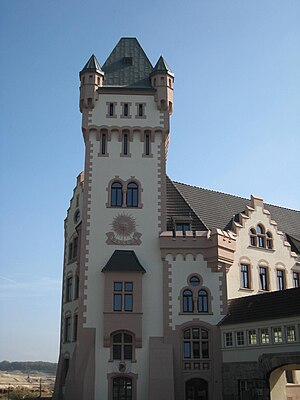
162,66
92,65
127,65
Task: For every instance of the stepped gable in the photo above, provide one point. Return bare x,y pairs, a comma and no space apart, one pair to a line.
127,65
263,307
217,210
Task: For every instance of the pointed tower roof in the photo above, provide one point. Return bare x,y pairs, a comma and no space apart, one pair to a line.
92,66
127,65
162,66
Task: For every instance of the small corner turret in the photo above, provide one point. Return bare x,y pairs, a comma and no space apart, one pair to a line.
162,79
91,77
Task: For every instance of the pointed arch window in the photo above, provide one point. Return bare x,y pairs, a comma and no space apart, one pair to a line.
116,194
132,195
269,240
253,237
202,301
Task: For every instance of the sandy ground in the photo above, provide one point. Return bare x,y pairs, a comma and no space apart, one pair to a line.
30,380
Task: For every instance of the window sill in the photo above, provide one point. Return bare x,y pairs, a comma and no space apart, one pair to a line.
261,248
241,289
122,361
195,313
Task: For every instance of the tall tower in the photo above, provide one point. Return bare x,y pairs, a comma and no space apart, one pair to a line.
113,272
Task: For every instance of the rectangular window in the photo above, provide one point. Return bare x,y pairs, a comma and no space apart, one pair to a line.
277,335
264,336
280,279
252,338
68,329
147,145
125,109
76,286
240,338
69,287
263,278
123,296
296,279
111,109
141,110
228,338
103,143
290,334
75,247
245,281
70,251
75,327
125,144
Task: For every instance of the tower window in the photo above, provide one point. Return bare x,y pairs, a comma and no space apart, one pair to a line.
103,143
111,109
125,144
122,346
141,110
147,144
195,343
67,335
125,110
132,195
69,288
122,388
202,301
116,194
123,296
188,303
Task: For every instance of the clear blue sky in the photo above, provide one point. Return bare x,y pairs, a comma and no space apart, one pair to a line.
235,127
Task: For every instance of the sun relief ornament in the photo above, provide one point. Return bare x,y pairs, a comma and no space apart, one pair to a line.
124,231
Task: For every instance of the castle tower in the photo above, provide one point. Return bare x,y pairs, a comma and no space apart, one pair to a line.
113,282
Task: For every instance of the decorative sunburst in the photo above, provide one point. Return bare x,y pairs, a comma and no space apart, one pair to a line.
124,225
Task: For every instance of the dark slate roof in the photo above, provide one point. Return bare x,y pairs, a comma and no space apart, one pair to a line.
123,261
162,66
127,65
91,66
265,306
217,210
178,207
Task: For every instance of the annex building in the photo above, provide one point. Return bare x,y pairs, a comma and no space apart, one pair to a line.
170,291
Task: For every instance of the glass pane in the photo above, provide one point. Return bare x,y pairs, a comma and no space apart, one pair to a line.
205,350
117,286
128,286
195,281
117,338
204,334
128,302
196,333
186,350
117,302
196,350
117,351
127,338
127,352
187,334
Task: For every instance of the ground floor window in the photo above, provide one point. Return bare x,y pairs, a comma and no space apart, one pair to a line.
122,388
196,389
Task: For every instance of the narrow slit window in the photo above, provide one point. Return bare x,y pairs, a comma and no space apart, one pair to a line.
111,109
141,110
103,144
147,145
125,144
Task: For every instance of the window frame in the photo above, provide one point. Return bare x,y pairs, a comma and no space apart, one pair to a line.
116,194
123,299
196,345
123,346
296,279
245,275
263,278
280,278
132,201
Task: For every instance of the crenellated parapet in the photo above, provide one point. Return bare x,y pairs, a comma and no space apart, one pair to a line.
217,246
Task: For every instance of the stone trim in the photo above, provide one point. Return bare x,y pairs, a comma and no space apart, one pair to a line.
108,103
137,116
129,106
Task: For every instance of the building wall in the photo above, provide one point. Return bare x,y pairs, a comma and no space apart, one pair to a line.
147,171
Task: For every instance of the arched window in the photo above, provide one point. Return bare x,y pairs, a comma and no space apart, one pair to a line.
132,196
269,240
122,346
253,237
116,194
122,388
202,301
188,304
195,343
260,236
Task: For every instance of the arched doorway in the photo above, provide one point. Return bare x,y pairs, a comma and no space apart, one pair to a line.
122,388
284,382
196,389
